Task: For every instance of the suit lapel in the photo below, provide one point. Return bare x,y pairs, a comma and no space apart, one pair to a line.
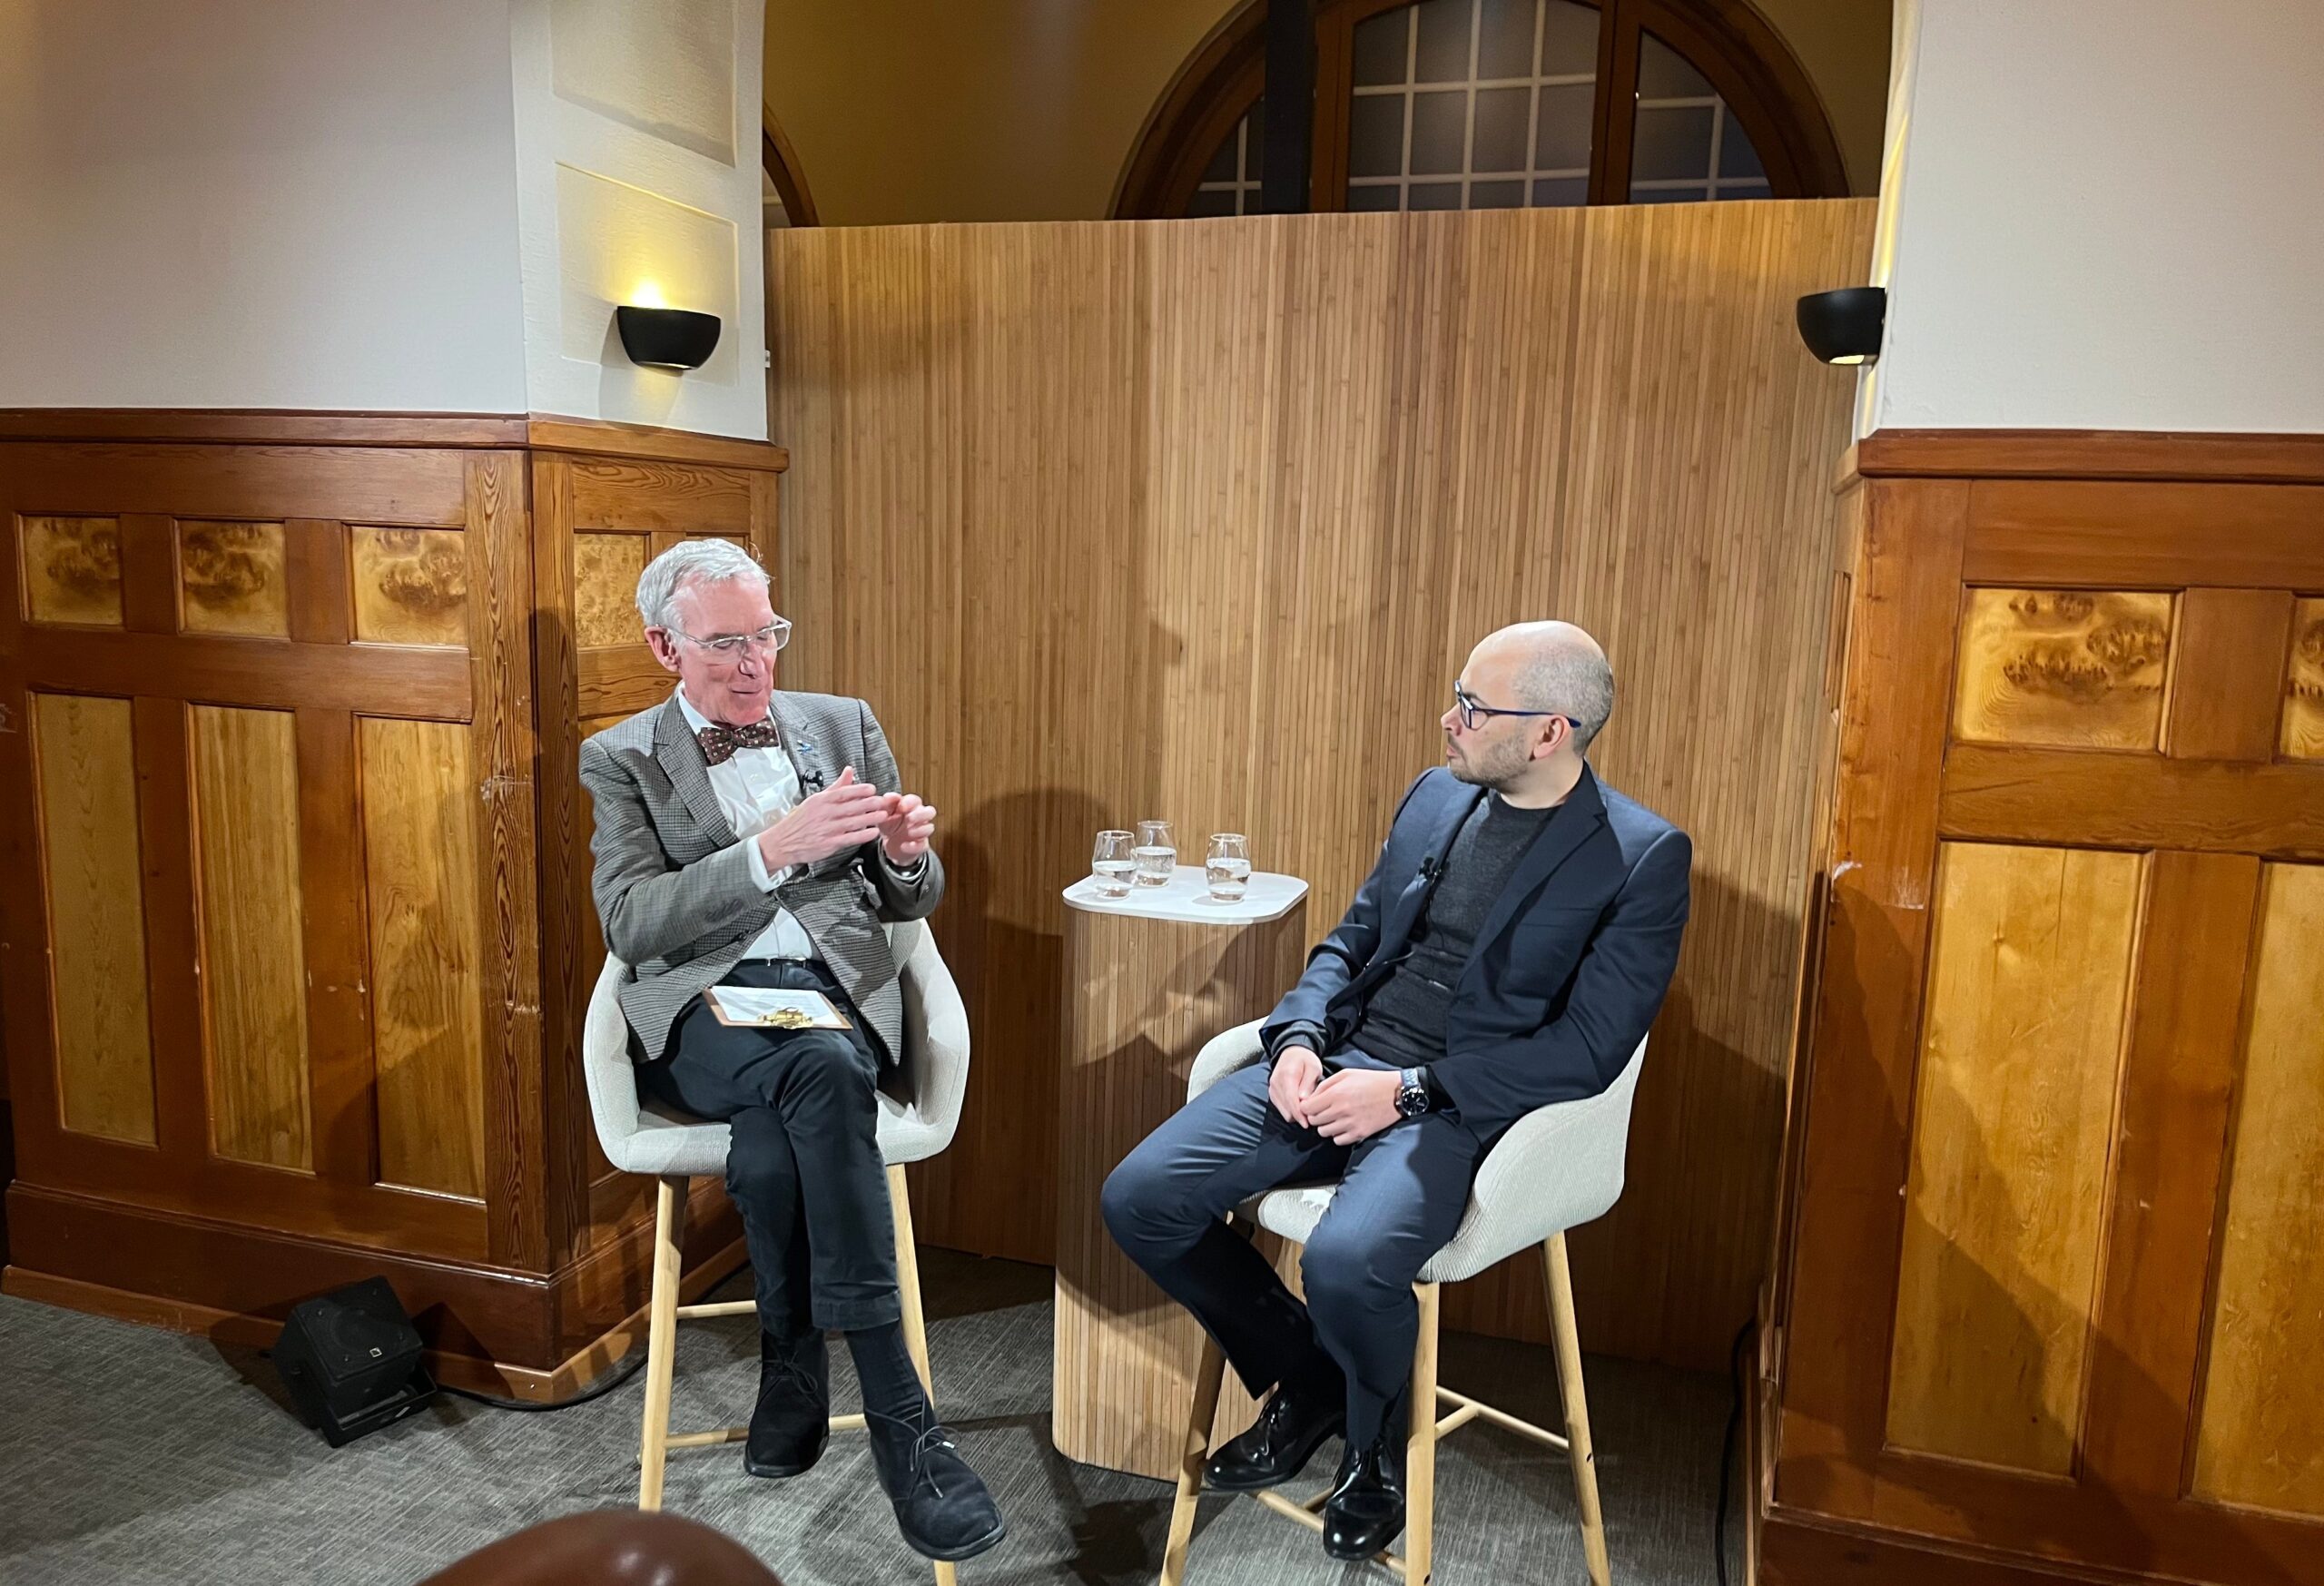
806,757
680,755
1584,813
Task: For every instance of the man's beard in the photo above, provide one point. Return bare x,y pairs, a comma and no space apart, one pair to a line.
1495,769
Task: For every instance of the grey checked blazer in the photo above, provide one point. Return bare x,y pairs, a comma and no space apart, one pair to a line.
674,886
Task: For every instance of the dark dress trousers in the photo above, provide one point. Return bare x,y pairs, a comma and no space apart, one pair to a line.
1568,970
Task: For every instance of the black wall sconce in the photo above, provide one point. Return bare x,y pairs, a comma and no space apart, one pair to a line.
1843,326
678,339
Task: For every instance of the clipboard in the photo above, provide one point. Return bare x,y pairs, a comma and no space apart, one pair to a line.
772,1007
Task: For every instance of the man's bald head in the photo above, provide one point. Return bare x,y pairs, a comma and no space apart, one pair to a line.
1555,667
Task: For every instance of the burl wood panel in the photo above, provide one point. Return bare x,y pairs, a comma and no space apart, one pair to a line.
411,585
2303,710
71,570
90,850
1200,521
419,834
2065,667
606,568
2260,1437
232,579
2012,1125
253,950
1143,996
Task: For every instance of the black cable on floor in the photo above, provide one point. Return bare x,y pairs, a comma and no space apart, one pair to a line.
1727,1444
596,1390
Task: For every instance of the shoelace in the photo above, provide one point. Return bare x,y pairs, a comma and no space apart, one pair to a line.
797,1374
924,1444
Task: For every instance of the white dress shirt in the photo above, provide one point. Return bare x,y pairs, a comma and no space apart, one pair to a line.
756,789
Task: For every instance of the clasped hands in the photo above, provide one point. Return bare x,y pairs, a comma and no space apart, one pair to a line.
1352,1105
848,814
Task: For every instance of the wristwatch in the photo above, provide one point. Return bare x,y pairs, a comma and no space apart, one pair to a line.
1411,1093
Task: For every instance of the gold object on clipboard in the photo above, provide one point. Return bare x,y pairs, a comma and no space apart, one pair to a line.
770,1008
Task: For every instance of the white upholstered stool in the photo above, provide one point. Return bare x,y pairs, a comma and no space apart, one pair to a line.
1555,1168
639,1139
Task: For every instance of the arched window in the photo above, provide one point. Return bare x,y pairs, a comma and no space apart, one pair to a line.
783,198
1499,104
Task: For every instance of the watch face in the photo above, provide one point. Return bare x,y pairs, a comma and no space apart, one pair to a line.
1412,1100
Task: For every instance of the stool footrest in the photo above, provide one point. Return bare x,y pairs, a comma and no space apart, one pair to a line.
721,1308
737,1433
1306,1515
1473,1409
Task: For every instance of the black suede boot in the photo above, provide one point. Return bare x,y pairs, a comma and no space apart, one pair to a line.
942,1507
1366,1509
792,1420
1293,1423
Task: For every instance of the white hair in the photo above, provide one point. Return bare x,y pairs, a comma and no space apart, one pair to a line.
688,564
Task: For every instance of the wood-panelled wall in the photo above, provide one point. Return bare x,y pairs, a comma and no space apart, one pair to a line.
2049,1299
1200,520
296,942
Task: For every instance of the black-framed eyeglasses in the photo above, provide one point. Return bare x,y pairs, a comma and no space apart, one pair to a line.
767,641
1471,712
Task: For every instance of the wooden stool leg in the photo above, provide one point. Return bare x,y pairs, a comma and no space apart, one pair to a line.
1577,1408
661,1337
1419,1446
1200,1417
907,1290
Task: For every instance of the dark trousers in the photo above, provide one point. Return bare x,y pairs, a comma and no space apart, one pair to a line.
1401,1198
804,1168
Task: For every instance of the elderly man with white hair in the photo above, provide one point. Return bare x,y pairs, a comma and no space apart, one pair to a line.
1508,951
750,837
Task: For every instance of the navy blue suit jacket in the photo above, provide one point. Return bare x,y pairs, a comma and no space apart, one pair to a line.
1568,969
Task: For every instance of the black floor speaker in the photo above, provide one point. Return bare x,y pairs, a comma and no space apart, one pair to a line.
350,1359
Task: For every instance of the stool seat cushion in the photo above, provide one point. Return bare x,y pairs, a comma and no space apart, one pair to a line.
1556,1168
641,1137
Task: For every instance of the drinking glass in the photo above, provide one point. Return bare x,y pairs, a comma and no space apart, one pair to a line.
1228,867
1113,864
1158,855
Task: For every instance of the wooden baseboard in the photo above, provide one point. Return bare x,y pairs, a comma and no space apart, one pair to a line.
1796,1551
521,1334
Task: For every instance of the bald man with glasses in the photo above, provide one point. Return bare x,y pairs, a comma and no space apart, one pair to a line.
747,836
1510,948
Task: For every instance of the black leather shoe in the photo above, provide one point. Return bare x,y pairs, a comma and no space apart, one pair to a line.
792,1420
941,1507
1366,1509
1290,1428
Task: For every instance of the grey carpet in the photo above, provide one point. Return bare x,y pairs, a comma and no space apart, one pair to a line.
133,1456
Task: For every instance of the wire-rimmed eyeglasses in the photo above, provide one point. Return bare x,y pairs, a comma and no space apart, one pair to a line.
767,641
1472,711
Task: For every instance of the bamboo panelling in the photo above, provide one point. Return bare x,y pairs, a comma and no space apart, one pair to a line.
1199,521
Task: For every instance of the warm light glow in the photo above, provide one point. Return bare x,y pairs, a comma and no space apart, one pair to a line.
1852,358
647,294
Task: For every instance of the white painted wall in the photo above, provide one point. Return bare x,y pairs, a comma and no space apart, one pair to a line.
257,203
2104,216
637,177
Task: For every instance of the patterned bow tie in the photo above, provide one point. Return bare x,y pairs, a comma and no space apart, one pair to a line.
719,744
